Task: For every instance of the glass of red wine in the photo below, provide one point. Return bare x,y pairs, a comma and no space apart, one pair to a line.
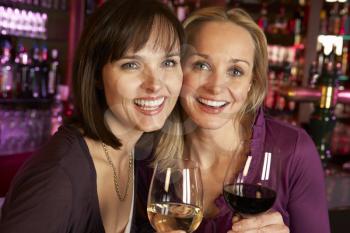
251,182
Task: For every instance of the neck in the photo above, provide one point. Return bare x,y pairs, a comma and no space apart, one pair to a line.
128,136
209,146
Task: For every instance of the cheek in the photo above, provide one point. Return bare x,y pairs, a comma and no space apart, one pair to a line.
240,94
191,82
173,82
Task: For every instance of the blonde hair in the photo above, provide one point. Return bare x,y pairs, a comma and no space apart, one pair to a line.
171,141
257,92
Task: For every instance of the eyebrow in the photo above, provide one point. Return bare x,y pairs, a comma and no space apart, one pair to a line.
235,60
131,57
232,60
199,54
175,54
137,57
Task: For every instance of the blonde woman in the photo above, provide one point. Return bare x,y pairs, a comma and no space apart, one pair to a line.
225,80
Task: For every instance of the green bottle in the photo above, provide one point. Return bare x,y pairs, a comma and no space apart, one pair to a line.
323,120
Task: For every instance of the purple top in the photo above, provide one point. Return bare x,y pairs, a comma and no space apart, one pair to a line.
301,196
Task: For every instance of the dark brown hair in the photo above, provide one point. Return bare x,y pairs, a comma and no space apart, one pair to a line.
116,27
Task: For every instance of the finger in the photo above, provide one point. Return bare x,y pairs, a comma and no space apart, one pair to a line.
236,218
266,229
258,221
276,228
177,231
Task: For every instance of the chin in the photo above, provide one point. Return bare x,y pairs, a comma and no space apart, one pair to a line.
151,126
212,124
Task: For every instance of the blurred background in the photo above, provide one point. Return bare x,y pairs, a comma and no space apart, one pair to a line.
309,76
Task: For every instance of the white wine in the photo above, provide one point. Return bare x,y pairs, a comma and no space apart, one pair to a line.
174,216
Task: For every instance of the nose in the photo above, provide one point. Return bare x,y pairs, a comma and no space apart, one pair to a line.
152,81
214,83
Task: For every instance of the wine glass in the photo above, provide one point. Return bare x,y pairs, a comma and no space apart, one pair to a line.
175,198
251,184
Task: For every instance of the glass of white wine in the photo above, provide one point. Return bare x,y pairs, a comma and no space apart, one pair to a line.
175,198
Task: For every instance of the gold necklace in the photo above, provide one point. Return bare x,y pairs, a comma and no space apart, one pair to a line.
115,177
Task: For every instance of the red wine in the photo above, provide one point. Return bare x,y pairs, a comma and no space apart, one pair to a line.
249,198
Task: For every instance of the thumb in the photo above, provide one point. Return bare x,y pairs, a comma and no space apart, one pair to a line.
236,218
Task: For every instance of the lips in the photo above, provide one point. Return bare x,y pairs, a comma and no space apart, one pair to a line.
150,105
211,106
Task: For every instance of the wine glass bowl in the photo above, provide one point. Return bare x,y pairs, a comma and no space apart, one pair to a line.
175,199
253,189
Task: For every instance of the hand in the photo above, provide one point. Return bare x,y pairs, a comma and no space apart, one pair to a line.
177,231
270,222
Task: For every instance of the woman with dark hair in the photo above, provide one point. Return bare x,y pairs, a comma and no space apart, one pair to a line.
127,77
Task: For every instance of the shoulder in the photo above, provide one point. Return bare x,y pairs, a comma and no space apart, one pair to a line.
294,145
64,154
65,144
301,160
287,136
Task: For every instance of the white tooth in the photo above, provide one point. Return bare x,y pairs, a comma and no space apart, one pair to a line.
160,101
212,103
149,103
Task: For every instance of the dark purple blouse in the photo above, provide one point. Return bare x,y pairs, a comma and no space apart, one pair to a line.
301,196
55,190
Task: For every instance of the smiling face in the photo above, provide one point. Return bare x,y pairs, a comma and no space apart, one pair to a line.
141,88
217,73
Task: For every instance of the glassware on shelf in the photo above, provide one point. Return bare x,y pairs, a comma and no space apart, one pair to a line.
23,130
24,23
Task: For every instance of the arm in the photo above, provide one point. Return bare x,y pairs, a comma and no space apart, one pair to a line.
38,201
307,204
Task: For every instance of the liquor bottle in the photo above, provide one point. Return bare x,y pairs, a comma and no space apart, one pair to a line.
34,73
263,20
44,72
281,22
6,71
56,113
297,25
323,22
344,24
181,8
322,121
334,19
56,4
23,69
17,78
53,76
313,74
